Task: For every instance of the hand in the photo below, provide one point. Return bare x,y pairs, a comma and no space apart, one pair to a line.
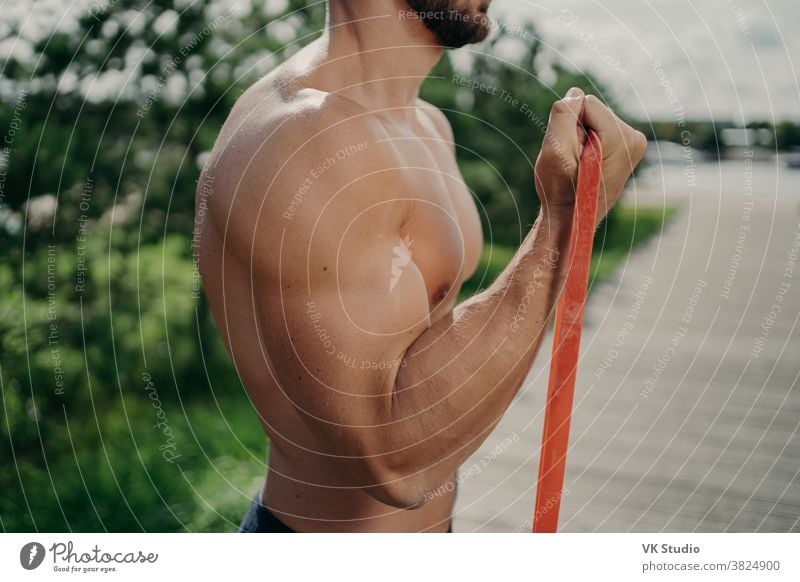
623,149
556,169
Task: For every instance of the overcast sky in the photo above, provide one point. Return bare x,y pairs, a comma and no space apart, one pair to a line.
724,59
721,59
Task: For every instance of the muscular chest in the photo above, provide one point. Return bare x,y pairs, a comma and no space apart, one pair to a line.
443,233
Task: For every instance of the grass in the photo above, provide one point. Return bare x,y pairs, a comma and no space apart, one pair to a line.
631,227
108,472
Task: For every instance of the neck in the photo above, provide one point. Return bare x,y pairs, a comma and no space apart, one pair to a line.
383,51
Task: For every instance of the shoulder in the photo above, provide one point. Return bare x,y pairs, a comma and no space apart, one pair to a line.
324,141
302,168
291,127
438,119
272,143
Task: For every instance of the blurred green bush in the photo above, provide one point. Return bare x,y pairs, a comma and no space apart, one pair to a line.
121,410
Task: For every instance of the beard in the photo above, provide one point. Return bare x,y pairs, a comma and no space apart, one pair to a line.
453,22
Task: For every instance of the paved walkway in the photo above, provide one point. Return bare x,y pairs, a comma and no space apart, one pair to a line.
687,409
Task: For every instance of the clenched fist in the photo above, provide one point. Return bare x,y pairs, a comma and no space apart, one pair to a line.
556,170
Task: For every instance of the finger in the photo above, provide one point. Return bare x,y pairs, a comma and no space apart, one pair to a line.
565,119
600,118
614,133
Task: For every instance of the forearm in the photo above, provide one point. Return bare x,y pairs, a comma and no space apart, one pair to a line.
461,375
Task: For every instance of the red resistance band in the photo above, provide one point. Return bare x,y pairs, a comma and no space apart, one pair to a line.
567,341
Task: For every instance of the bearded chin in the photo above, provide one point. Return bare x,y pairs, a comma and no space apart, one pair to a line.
452,26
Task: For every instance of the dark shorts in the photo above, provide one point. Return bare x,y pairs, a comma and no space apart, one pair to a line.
259,519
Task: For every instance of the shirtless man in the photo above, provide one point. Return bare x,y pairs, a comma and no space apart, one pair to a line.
340,232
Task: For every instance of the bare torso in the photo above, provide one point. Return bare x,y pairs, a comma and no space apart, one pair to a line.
251,188
334,237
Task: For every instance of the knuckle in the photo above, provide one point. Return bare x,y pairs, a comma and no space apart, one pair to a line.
592,101
641,143
560,107
569,166
637,143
